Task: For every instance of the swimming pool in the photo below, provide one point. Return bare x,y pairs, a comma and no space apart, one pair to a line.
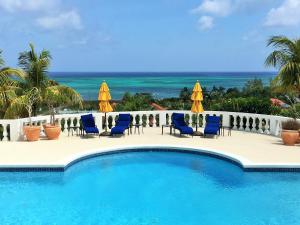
150,188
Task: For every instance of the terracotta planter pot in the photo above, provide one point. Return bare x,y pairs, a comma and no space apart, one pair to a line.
32,133
298,141
290,137
52,131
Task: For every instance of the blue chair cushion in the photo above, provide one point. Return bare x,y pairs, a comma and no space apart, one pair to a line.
88,120
123,123
124,117
213,120
118,130
179,123
178,119
211,130
213,124
91,130
185,130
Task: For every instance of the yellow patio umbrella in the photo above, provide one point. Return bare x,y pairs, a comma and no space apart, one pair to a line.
197,98
104,97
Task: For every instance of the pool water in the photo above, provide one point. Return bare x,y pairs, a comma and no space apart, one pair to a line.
150,188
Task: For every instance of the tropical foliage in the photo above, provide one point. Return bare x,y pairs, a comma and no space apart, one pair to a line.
285,57
15,92
57,96
137,102
27,100
9,85
36,67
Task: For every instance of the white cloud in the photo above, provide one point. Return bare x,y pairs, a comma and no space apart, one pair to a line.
70,19
224,8
287,14
214,7
206,22
48,14
27,5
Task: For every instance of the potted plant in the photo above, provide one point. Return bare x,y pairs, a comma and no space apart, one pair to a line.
291,97
56,97
290,132
31,132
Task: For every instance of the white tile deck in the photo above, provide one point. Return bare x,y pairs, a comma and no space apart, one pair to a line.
250,150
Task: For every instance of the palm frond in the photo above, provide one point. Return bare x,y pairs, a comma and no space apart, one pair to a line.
277,58
59,95
12,72
1,59
286,57
281,42
290,74
16,108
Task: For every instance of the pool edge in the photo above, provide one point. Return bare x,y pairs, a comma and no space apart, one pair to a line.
243,163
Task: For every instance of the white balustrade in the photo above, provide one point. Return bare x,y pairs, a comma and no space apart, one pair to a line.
265,124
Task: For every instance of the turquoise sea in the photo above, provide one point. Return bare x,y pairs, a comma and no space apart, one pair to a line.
161,85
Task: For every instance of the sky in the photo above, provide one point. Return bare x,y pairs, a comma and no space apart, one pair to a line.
147,35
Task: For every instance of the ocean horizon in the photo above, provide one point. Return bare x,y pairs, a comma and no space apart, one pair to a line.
159,84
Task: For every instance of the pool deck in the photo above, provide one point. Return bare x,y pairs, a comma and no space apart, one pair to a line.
251,151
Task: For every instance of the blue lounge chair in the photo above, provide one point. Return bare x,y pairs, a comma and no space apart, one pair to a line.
179,124
122,124
213,125
88,124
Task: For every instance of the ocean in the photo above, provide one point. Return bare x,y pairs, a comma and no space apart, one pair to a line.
161,85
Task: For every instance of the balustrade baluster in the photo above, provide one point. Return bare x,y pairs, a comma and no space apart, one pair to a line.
234,121
247,128
133,118
204,120
154,120
260,126
113,121
5,134
64,126
267,126
147,120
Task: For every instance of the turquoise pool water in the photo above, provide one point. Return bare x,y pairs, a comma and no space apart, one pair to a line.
150,188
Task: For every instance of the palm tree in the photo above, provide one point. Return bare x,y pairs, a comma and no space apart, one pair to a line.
36,66
9,85
286,58
50,92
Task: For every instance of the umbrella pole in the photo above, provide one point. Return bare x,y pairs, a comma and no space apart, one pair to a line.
105,133
105,125
196,122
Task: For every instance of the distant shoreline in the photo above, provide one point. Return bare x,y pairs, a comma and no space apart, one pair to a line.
159,84
238,73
